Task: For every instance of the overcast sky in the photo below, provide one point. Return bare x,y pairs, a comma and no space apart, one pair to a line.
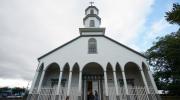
31,28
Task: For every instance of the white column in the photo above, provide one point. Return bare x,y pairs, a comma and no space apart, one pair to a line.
80,82
69,83
41,80
85,92
34,81
152,81
144,80
125,82
115,83
59,82
106,84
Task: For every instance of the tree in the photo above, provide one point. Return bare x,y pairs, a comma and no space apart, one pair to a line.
2,89
173,16
164,56
18,90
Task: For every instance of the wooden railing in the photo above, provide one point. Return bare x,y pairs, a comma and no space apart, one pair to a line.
122,93
138,93
62,93
47,94
74,93
33,95
112,93
153,93
135,93
34,91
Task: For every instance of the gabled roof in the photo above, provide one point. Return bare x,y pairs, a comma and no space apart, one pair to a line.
91,36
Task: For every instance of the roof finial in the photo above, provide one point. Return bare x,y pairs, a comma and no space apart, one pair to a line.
91,3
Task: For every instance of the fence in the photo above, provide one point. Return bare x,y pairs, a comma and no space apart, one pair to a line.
138,93
47,94
135,93
122,94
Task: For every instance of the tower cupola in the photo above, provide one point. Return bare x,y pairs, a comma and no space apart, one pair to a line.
92,20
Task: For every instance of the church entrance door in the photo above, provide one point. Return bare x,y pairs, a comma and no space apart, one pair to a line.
92,87
92,82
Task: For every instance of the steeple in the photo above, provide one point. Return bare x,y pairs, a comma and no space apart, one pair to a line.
92,22
92,19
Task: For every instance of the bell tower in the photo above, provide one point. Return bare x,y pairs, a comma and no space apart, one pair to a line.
92,19
92,22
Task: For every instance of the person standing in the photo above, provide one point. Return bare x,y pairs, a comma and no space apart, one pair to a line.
96,95
91,96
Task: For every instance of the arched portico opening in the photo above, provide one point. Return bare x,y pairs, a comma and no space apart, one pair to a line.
40,70
133,75
74,82
65,78
120,82
75,75
51,76
49,82
109,71
92,76
135,83
145,70
119,76
110,81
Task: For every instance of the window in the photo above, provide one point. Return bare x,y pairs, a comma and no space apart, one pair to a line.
92,23
91,11
92,46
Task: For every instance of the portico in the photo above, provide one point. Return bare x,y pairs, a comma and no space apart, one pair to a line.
110,82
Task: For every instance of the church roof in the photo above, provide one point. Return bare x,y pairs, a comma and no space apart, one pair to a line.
91,36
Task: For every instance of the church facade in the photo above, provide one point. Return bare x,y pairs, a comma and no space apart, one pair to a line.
93,67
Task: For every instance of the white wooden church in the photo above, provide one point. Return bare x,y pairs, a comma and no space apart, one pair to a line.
93,67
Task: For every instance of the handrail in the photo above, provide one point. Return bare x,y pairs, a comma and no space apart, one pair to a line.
135,93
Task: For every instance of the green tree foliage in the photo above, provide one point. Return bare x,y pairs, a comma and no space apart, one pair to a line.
4,89
18,90
164,56
173,16
13,90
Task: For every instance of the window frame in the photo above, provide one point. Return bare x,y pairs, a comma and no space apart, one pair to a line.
92,23
91,11
92,46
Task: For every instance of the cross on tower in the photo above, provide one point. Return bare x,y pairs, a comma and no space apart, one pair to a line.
91,3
